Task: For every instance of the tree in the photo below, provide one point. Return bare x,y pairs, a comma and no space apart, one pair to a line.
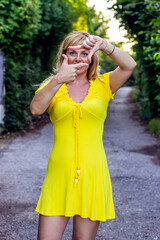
30,33
141,19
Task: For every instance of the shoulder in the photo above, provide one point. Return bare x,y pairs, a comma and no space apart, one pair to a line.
104,80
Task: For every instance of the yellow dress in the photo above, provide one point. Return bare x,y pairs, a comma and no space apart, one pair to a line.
77,181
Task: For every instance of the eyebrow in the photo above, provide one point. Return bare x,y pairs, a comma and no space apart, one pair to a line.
86,50
82,50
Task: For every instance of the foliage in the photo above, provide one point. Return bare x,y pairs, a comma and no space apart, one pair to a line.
19,22
135,95
106,64
98,25
30,33
141,19
81,10
154,126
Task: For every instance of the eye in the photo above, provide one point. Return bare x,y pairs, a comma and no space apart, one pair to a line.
85,54
71,53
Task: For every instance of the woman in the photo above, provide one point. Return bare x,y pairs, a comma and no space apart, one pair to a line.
77,182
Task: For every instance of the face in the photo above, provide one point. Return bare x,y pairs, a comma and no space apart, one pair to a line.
78,56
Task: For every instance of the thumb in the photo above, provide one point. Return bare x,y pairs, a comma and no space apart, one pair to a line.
65,58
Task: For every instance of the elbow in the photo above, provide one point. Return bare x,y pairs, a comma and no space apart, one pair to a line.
131,66
134,64
34,111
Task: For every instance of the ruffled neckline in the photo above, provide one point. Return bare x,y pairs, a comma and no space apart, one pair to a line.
86,97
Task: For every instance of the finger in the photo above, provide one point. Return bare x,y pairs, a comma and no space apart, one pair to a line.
73,70
89,42
73,78
75,47
77,65
90,56
86,45
65,58
91,39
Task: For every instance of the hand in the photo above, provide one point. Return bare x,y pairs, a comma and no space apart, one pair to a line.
67,72
91,43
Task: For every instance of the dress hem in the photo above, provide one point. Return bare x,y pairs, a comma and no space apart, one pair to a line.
73,214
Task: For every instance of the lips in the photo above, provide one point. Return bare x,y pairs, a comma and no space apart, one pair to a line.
79,68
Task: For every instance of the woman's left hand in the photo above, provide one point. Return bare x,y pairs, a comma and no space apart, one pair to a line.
91,43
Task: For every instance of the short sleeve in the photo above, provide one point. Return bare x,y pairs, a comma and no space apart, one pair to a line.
105,80
42,86
52,101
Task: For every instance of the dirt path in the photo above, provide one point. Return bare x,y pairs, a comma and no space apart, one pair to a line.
134,174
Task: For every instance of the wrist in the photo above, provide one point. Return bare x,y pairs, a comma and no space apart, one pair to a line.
108,48
103,46
57,80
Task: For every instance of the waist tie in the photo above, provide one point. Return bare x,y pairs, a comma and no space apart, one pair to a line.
77,114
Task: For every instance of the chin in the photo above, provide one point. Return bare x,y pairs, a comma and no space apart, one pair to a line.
80,71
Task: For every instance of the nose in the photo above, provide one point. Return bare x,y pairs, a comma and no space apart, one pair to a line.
78,57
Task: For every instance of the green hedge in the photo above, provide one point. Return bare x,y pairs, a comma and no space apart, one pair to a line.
30,32
141,19
154,126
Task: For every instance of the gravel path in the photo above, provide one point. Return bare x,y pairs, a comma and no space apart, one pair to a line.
135,179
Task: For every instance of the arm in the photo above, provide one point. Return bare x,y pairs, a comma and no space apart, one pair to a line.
42,99
66,73
126,65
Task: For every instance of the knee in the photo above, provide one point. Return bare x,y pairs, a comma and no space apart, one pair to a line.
50,238
75,237
81,236
84,229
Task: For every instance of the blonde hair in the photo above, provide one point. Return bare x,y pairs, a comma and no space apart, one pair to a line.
72,39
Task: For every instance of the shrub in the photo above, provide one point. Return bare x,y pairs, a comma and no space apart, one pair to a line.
154,126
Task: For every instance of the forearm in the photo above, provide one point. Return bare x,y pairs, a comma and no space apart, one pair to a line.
121,58
41,100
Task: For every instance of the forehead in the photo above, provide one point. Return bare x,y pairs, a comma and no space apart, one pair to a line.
78,50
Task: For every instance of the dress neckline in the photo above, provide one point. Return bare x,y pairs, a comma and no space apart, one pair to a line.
88,93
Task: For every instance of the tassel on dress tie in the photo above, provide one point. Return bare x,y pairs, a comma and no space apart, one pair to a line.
77,114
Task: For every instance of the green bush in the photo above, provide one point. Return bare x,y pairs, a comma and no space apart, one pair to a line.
135,95
141,19
154,126
30,33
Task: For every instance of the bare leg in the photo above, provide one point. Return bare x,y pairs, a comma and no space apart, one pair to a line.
51,227
84,228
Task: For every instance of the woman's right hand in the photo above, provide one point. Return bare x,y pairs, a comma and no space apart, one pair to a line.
67,72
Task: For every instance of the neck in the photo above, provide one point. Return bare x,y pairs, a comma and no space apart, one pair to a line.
81,78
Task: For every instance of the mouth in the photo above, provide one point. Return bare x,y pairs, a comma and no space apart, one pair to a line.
79,68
